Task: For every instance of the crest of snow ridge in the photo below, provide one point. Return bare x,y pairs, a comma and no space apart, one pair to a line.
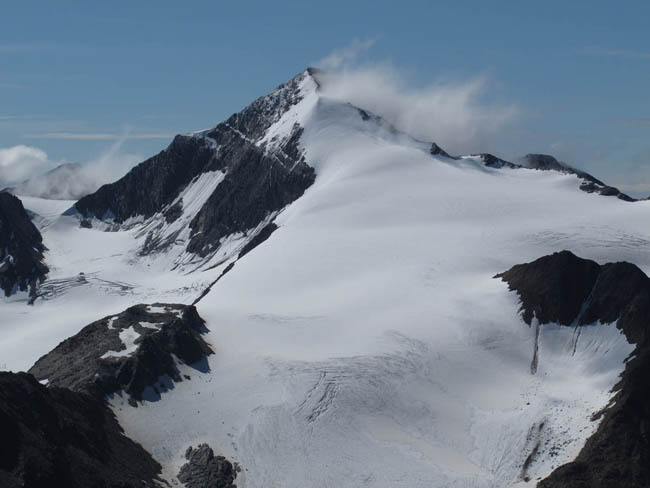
226,184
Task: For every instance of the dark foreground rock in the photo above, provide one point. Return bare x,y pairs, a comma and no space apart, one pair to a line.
566,289
205,470
52,437
129,351
21,248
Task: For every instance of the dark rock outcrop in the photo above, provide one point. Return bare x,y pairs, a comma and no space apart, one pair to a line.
492,161
99,361
552,288
205,470
436,150
256,184
570,290
56,437
590,184
21,248
260,177
566,289
259,238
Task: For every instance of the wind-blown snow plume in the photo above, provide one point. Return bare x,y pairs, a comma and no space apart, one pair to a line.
458,115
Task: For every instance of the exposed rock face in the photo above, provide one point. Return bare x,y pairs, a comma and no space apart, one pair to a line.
590,184
552,288
21,248
566,289
255,185
260,177
205,470
57,437
129,351
262,236
570,290
436,150
493,162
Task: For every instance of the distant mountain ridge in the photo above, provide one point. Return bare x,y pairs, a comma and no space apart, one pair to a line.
234,178
68,181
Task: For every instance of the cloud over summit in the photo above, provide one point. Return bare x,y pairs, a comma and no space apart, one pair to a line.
457,114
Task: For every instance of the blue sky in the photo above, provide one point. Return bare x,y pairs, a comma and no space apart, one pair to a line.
75,77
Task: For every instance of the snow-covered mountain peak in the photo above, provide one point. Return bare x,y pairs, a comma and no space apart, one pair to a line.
256,121
344,271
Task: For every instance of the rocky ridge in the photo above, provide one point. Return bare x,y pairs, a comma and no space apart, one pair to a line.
205,470
260,177
133,351
22,264
572,291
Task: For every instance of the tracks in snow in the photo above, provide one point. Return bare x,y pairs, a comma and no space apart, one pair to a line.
55,288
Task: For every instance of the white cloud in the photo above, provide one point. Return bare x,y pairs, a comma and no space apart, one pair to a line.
20,162
457,115
28,169
342,57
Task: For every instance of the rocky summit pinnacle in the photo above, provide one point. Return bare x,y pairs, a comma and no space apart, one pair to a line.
259,176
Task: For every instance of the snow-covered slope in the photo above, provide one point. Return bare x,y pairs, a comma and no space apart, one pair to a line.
365,342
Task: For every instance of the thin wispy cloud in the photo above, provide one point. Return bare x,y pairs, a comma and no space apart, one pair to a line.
614,53
96,136
25,47
342,57
459,115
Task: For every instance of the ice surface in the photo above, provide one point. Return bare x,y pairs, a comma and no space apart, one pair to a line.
150,325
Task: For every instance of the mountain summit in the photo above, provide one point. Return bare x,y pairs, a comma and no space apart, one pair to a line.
231,181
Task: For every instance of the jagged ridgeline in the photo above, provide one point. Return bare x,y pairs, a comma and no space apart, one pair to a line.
247,177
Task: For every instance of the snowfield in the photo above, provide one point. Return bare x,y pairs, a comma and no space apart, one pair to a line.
365,343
